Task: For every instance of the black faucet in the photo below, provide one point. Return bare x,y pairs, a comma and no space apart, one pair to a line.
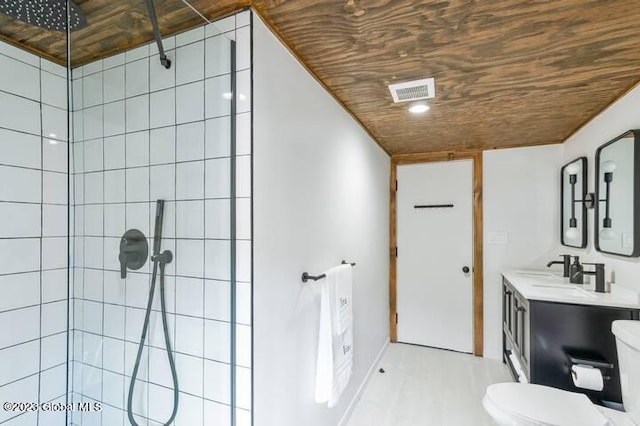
566,262
599,273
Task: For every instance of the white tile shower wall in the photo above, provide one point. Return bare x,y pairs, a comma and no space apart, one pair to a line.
143,133
33,233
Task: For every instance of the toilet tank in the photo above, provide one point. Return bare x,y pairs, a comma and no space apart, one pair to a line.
628,344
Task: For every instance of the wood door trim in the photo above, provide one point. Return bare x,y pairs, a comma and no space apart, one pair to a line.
478,284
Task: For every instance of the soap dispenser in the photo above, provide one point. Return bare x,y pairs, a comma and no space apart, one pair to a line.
576,271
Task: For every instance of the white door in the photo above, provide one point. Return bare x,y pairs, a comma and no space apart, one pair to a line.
434,203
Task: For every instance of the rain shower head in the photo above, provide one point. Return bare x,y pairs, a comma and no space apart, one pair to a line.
49,14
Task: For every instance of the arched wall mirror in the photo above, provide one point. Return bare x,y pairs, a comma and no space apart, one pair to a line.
617,216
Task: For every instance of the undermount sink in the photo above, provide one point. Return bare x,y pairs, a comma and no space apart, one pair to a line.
546,277
535,274
565,291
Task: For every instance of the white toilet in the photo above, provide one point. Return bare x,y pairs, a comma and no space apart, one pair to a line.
516,404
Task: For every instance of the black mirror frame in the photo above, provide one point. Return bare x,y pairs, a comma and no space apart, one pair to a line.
583,202
636,195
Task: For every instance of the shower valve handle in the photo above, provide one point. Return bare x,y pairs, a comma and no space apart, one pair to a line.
134,251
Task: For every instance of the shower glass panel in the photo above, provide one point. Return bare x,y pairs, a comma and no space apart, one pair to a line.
155,155
33,213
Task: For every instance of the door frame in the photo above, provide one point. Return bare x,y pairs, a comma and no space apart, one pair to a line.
478,305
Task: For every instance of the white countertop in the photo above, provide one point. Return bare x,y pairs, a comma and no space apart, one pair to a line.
550,287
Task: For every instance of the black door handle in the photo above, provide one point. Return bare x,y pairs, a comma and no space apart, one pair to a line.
465,269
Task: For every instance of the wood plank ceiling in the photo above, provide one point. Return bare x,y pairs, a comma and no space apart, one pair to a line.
508,72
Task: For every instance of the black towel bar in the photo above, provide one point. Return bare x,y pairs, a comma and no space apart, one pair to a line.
306,277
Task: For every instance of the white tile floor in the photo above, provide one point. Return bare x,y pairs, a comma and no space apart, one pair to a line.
426,386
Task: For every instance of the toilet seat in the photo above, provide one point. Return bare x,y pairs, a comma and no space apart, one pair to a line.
536,405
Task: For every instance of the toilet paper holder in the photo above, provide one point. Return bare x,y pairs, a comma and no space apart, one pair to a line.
591,359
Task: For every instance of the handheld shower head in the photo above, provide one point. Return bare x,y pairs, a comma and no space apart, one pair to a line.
48,14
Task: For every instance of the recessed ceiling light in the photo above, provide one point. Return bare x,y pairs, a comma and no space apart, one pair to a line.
419,108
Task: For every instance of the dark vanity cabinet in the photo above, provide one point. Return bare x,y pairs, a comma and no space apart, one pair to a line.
545,337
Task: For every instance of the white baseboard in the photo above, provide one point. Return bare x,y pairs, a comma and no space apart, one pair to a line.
356,397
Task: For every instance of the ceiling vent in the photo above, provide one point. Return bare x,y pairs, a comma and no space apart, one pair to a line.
413,90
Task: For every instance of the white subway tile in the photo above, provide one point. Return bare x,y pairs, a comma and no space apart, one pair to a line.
218,56
217,338
54,350
243,18
243,303
189,296
190,180
54,123
54,189
92,89
25,325
54,89
54,221
243,218
137,113
137,183
189,332
137,77
159,370
114,220
189,258
137,149
190,63
94,220
54,155
93,187
113,416
190,219
190,102
244,91
217,378
93,126
137,53
19,255
243,261
114,84
19,78
114,288
113,355
93,155
218,143
19,220
217,300
19,54
114,324
156,329
217,223
243,345
114,186
243,133
163,145
243,388
114,118
92,317
93,255
217,259
54,285
190,36
191,412
162,108
160,403
19,114
191,379
218,183
137,290
113,390
111,252
19,361
114,152
190,141
19,149
217,92
22,390
163,183
138,218
113,61
243,48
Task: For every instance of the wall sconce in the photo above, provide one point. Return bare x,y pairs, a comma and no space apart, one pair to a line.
574,179
608,167
588,201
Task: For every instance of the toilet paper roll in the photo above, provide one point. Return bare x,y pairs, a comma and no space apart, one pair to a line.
587,377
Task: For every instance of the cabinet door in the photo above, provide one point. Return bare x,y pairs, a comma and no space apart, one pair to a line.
522,312
506,309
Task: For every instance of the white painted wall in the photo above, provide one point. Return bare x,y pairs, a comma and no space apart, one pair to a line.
621,116
521,196
320,195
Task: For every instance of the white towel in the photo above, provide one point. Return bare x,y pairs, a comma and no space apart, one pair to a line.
335,349
340,281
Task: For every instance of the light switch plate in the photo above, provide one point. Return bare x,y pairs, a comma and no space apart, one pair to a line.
498,238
